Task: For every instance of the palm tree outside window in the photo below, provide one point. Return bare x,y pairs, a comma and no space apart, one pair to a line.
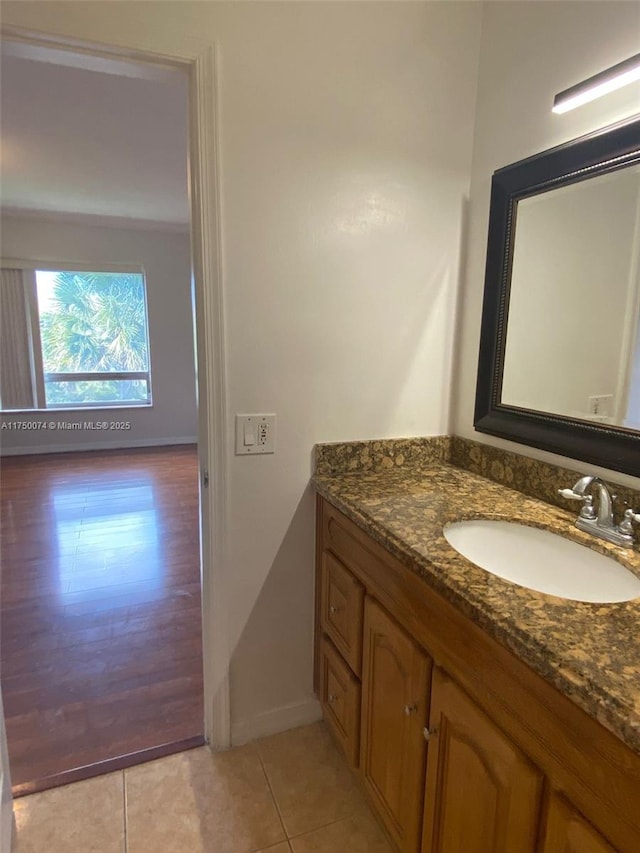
88,339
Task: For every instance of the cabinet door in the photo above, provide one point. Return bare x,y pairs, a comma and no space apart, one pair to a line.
568,832
395,692
482,793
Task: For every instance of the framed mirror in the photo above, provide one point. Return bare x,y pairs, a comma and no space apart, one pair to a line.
559,362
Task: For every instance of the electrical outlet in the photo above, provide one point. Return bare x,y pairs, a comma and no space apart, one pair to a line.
600,404
264,431
255,434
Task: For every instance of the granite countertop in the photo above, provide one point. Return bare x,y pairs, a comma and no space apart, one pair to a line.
590,652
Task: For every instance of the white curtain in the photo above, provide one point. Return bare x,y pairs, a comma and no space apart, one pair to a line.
16,386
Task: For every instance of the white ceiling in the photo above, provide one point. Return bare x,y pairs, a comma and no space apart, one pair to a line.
87,136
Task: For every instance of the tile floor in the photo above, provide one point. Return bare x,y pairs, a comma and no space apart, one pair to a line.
290,793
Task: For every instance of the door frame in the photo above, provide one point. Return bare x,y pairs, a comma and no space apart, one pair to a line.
198,59
6,807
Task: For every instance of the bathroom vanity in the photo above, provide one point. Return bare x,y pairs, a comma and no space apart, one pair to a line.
479,715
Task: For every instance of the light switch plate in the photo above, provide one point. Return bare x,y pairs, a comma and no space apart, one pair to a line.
255,434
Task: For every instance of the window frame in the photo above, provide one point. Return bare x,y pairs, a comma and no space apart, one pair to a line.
39,376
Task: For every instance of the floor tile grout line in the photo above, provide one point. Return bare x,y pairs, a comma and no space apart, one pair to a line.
290,838
318,828
273,796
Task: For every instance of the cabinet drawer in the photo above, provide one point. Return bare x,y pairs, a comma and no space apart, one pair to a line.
340,698
342,602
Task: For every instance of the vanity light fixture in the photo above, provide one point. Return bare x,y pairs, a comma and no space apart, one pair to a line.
600,84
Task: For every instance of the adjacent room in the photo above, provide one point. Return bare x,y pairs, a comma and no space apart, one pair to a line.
101,642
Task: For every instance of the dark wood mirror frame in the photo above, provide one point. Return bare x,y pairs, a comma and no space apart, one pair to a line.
606,150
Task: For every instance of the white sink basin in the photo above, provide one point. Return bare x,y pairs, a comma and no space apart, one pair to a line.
542,561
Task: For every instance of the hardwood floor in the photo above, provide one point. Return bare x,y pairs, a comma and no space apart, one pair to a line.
100,624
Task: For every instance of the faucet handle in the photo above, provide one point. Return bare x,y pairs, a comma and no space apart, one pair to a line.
570,495
626,525
587,510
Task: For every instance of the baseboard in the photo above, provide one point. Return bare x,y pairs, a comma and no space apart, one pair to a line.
275,721
122,444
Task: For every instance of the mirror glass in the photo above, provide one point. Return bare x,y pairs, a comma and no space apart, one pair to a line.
572,335
559,359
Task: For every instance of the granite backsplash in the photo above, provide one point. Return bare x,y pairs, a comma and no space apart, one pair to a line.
530,476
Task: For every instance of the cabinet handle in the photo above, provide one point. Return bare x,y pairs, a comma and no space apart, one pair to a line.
333,609
410,709
332,697
429,733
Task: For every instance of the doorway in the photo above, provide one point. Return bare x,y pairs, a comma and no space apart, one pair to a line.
133,460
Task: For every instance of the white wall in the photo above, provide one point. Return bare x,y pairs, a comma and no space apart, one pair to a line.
530,51
165,258
345,133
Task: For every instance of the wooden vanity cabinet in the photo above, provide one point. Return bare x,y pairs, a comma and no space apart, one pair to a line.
482,794
512,765
567,831
340,614
340,699
395,702
342,600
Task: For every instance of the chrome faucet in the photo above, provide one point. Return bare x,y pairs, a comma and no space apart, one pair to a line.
600,523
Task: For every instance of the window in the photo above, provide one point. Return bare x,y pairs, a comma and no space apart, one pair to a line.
73,339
